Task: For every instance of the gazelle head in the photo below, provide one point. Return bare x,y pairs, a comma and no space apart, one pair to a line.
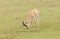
25,24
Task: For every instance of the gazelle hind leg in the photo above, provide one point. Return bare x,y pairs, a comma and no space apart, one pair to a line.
36,19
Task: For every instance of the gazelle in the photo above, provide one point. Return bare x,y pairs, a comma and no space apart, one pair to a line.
32,15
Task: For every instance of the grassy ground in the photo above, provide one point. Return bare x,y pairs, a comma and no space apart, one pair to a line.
12,28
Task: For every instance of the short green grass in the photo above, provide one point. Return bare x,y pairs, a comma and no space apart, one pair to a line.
13,12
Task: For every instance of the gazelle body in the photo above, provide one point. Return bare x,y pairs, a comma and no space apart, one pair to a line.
32,15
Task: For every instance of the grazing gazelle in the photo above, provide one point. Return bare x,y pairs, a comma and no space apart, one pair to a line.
32,15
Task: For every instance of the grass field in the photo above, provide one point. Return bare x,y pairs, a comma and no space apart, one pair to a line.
12,28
